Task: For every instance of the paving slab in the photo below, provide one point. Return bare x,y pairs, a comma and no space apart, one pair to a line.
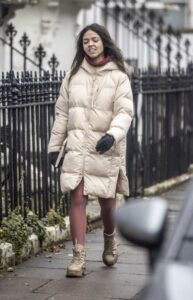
21,285
19,296
92,286
44,275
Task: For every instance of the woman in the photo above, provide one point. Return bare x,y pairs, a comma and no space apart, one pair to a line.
94,111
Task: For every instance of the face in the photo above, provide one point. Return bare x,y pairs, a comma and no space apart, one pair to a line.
93,46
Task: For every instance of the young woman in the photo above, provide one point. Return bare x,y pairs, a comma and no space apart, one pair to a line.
94,112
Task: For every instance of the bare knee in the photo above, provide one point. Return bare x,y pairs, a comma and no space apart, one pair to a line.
77,197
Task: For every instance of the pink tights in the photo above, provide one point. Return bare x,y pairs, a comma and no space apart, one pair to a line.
77,214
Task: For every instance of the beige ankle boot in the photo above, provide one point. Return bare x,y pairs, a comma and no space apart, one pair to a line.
77,267
110,254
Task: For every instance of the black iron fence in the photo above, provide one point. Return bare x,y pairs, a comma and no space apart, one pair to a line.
160,141
26,116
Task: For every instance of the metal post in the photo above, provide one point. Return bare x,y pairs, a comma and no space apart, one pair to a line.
178,55
40,55
169,47
187,45
106,2
117,11
11,33
158,42
25,42
148,34
53,63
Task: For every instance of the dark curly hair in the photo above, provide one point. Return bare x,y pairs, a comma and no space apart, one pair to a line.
109,48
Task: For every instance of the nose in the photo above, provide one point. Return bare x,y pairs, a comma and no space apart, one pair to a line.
90,43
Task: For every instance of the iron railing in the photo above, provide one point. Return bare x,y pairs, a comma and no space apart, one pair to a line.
26,116
150,42
39,53
160,140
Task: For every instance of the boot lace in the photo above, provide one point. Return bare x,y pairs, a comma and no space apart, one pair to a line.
110,246
78,257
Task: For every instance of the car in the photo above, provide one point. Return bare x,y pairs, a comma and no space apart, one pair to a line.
170,256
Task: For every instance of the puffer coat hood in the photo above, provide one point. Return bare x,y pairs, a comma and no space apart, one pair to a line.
96,101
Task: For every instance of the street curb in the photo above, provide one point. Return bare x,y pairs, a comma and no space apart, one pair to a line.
164,186
54,235
32,247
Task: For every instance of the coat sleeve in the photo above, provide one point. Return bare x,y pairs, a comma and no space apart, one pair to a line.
59,129
123,110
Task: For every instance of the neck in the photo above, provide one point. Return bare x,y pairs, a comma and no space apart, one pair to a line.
97,59
98,63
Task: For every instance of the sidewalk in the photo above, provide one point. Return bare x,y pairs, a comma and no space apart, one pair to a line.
43,277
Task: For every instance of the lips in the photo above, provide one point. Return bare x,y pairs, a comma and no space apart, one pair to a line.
92,50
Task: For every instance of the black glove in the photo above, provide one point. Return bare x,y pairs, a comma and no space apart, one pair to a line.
53,158
105,143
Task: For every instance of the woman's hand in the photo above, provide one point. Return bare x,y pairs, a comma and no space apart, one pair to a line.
105,143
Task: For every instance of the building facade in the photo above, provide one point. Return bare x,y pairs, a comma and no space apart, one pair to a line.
152,34
148,32
51,23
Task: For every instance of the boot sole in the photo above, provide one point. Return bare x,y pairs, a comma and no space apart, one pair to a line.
76,274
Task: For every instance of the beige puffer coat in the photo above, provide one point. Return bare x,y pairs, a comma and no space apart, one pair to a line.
95,102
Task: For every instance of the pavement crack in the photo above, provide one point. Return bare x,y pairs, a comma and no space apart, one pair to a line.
42,285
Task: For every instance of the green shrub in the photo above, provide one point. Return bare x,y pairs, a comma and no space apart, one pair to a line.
36,226
14,230
55,219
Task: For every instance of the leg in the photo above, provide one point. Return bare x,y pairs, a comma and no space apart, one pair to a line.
77,215
107,207
110,254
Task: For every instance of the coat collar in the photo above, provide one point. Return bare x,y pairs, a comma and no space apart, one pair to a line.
110,66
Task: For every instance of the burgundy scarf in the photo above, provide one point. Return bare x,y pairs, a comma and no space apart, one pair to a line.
99,64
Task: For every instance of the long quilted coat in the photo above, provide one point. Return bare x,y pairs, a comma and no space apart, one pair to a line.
96,101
